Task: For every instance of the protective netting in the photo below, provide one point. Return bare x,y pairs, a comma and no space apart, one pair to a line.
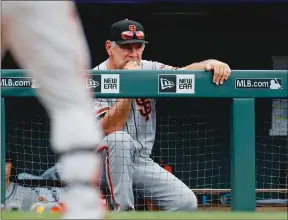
192,142
271,153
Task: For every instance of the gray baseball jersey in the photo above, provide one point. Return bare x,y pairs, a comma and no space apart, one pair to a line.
128,164
22,197
141,124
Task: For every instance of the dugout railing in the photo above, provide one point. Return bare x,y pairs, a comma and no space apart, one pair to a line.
236,107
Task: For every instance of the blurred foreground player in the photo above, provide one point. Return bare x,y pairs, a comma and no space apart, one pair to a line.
47,39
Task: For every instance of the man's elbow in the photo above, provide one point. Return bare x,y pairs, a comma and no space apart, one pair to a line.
108,129
111,130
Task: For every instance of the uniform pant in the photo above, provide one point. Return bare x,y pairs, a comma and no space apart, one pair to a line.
46,38
126,170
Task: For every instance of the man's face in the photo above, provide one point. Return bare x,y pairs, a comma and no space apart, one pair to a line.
8,166
122,54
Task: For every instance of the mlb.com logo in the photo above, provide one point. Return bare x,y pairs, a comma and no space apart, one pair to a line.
104,83
182,83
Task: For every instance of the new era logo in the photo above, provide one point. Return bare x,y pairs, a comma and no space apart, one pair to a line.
180,83
90,83
104,83
110,83
94,83
186,83
165,83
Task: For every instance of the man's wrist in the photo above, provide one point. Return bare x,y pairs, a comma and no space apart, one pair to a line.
205,62
195,66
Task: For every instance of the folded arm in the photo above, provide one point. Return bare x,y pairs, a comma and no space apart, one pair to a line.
113,118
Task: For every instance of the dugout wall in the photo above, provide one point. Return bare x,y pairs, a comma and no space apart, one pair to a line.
201,130
207,136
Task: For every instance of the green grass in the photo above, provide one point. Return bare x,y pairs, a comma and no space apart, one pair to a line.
161,215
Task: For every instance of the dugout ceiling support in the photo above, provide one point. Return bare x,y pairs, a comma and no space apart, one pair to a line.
3,148
243,172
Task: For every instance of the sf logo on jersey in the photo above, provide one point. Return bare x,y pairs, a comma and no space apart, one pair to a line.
145,107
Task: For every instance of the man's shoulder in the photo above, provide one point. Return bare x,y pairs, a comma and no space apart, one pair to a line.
11,187
155,65
146,65
101,66
16,189
149,64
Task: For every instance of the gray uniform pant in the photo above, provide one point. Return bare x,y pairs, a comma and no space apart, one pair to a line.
125,170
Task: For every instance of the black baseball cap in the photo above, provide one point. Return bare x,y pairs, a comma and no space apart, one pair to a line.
118,28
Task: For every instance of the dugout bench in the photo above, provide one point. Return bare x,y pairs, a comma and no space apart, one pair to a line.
239,95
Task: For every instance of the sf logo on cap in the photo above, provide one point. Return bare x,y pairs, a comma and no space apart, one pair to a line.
132,27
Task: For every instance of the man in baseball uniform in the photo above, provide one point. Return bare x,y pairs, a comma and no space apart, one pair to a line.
46,38
130,124
17,197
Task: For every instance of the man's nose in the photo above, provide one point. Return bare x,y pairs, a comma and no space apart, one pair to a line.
133,52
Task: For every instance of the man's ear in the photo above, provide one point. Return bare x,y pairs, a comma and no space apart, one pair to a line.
108,46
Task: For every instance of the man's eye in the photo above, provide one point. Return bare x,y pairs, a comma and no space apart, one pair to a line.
124,47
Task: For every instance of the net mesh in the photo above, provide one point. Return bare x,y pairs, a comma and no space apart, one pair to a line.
271,155
195,142
27,137
192,141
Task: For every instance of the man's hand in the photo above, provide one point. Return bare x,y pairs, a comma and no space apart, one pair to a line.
132,65
221,70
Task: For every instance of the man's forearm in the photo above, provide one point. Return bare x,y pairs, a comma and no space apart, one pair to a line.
221,71
196,66
117,116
